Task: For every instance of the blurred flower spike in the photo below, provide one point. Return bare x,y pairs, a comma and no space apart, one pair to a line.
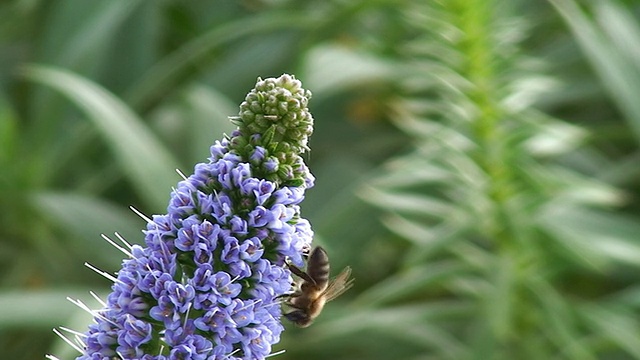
205,285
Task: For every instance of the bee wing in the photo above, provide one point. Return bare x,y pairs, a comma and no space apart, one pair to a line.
339,285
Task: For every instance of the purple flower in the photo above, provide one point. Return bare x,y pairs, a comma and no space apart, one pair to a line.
251,250
206,284
136,332
166,312
271,165
254,345
258,155
260,217
281,216
187,240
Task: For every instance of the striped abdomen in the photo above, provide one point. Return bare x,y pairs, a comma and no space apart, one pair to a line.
318,268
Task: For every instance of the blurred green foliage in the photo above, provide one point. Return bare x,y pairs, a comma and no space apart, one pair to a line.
477,162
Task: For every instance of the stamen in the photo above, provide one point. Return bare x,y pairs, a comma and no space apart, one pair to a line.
125,242
151,271
181,174
95,296
231,353
279,302
141,215
113,243
64,338
103,273
276,353
94,313
76,333
247,306
186,316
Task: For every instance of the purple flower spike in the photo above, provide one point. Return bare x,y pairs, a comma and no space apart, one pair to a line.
205,286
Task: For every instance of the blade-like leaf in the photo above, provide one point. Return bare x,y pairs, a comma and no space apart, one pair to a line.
84,43
619,72
619,326
168,71
329,69
8,134
89,217
407,323
147,164
410,283
598,237
557,314
209,110
406,203
38,308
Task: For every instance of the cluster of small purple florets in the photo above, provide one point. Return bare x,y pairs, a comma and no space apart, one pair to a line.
205,285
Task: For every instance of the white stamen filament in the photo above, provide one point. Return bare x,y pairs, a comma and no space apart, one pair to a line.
76,333
93,313
95,296
231,353
186,316
247,306
141,215
276,353
123,240
113,243
181,174
103,273
64,338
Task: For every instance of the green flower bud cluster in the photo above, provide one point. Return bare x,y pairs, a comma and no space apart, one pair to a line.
274,125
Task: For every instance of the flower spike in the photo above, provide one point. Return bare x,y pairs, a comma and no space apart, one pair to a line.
206,283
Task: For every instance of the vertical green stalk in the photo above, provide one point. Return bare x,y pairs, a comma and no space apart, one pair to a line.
505,306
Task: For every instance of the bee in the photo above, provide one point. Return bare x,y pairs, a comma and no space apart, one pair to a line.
316,288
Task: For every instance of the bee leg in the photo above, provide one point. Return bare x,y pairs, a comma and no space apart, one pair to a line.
301,274
290,295
282,296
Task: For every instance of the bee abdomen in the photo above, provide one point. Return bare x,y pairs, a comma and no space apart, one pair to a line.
318,266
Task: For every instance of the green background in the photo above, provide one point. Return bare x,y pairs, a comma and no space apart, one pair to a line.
477,162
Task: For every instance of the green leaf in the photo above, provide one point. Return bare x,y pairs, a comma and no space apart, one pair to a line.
78,43
147,164
333,207
427,239
38,308
621,27
209,112
561,324
553,137
329,69
595,236
415,281
403,172
406,203
88,218
84,43
610,55
618,325
499,302
8,132
167,72
405,323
